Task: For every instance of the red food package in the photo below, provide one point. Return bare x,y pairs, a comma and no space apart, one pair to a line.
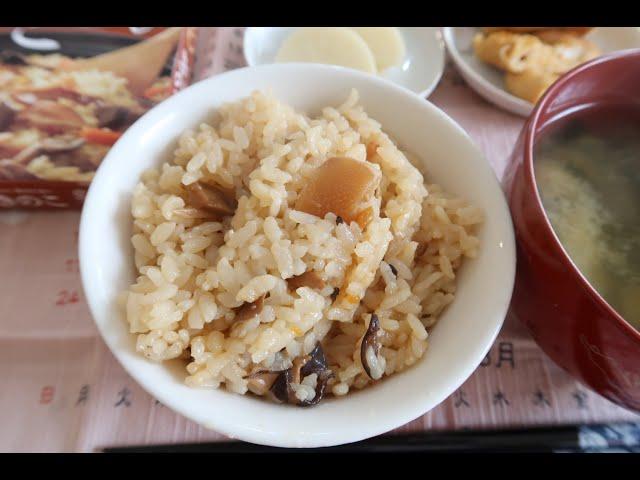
68,94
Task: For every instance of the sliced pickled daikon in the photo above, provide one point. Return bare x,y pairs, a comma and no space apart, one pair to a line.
330,45
386,44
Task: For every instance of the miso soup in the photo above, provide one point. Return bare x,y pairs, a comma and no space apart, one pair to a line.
587,168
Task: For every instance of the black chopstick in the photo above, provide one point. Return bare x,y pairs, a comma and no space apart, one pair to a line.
623,437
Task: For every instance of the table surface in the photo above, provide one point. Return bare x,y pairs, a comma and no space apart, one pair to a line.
64,391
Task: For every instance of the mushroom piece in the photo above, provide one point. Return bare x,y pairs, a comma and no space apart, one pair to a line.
191,213
249,310
370,349
309,278
26,154
53,145
334,294
315,362
7,114
62,143
211,198
260,382
115,117
49,116
281,388
340,185
394,270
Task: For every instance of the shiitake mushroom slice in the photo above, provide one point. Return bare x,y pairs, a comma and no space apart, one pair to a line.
249,310
310,279
370,347
302,367
214,200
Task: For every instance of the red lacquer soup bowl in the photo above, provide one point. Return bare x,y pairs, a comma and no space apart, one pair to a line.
566,316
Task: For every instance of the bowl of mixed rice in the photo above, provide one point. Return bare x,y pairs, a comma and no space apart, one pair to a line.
297,255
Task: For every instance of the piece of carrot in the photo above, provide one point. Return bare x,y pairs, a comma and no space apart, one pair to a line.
155,90
102,136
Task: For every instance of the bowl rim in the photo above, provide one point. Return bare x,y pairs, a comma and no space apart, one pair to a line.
533,129
399,418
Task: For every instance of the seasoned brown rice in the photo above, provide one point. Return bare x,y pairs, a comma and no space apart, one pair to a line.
194,274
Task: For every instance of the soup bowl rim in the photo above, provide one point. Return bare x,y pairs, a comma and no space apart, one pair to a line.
534,127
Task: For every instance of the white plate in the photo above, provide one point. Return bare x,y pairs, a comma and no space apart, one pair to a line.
457,344
420,72
488,81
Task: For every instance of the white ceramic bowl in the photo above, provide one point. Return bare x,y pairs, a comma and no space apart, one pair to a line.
458,343
420,72
489,81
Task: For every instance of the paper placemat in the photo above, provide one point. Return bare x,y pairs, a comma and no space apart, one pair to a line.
64,391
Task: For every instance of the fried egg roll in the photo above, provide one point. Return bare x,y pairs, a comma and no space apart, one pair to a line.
530,84
507,51
580,31
568,50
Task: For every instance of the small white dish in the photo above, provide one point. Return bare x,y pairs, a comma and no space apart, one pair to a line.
459,341
489,81
420,72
